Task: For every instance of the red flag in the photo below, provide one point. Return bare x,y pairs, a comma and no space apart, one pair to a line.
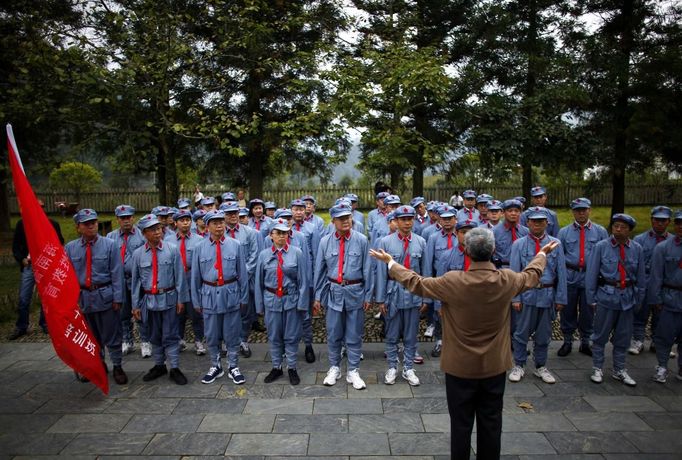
57,282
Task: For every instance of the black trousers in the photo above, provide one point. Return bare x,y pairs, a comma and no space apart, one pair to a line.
482,399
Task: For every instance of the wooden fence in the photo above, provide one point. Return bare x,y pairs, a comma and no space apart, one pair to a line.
559,197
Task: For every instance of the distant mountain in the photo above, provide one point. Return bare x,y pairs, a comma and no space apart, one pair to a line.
350,166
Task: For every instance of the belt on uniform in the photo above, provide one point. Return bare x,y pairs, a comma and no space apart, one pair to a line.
345,282
615,283
160,290
674,288
215,283
575,268
94,287
275,291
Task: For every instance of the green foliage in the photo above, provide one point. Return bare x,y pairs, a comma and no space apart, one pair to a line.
76,177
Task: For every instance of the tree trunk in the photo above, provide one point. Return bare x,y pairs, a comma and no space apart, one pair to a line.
527,181
531,78
5,224
256,170
161,173
172,191
622,147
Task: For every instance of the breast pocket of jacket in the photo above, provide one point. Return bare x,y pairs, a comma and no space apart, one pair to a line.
229,263
332,258
101,263
354,260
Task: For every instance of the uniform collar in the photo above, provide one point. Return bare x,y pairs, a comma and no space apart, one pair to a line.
94,240
544,235
508,225
444,233
338,236
285,248
461,248
588,225
147,246
653,234
403,238
179,236
131,232
236,228
615,243
222,238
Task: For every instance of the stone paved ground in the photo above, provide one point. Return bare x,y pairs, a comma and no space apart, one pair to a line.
44,413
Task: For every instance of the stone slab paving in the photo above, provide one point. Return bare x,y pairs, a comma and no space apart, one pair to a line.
45,413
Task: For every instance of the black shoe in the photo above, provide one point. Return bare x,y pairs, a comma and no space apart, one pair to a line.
106,368
309,354
652,347
177,376
585,349
244,350
274,374
81,378
258,327
16,334
565,349
44,328
154,373
293,377
120,376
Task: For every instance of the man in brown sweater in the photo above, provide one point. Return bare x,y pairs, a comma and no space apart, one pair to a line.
476,338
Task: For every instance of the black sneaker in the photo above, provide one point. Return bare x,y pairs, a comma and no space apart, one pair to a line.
154,373
274,374
309,354
585,349
212,374
177,376
81,378
565,349
236,376
652,347
16,334
120,376
244,350
437,349
294,379
45,331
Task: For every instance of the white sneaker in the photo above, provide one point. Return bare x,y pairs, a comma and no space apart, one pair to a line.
354,378
127,347
411,377
333,375
430,330
377,315
624,377
146,349
516,374
636,347
389,377
544,374
661,374
200,348
597,375
183,345
673,355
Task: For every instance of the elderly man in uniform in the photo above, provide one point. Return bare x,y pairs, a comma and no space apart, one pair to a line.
128,239
538,197
251,243
282,293
665,296
341,271
437,245
476,350
536,308
614,285
660,219
186,240
97,263
159,291
421,218
378,212
397,305
494,214
220,289
482,201
357,215
469,211
23,258
578,240
312,239
310,216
